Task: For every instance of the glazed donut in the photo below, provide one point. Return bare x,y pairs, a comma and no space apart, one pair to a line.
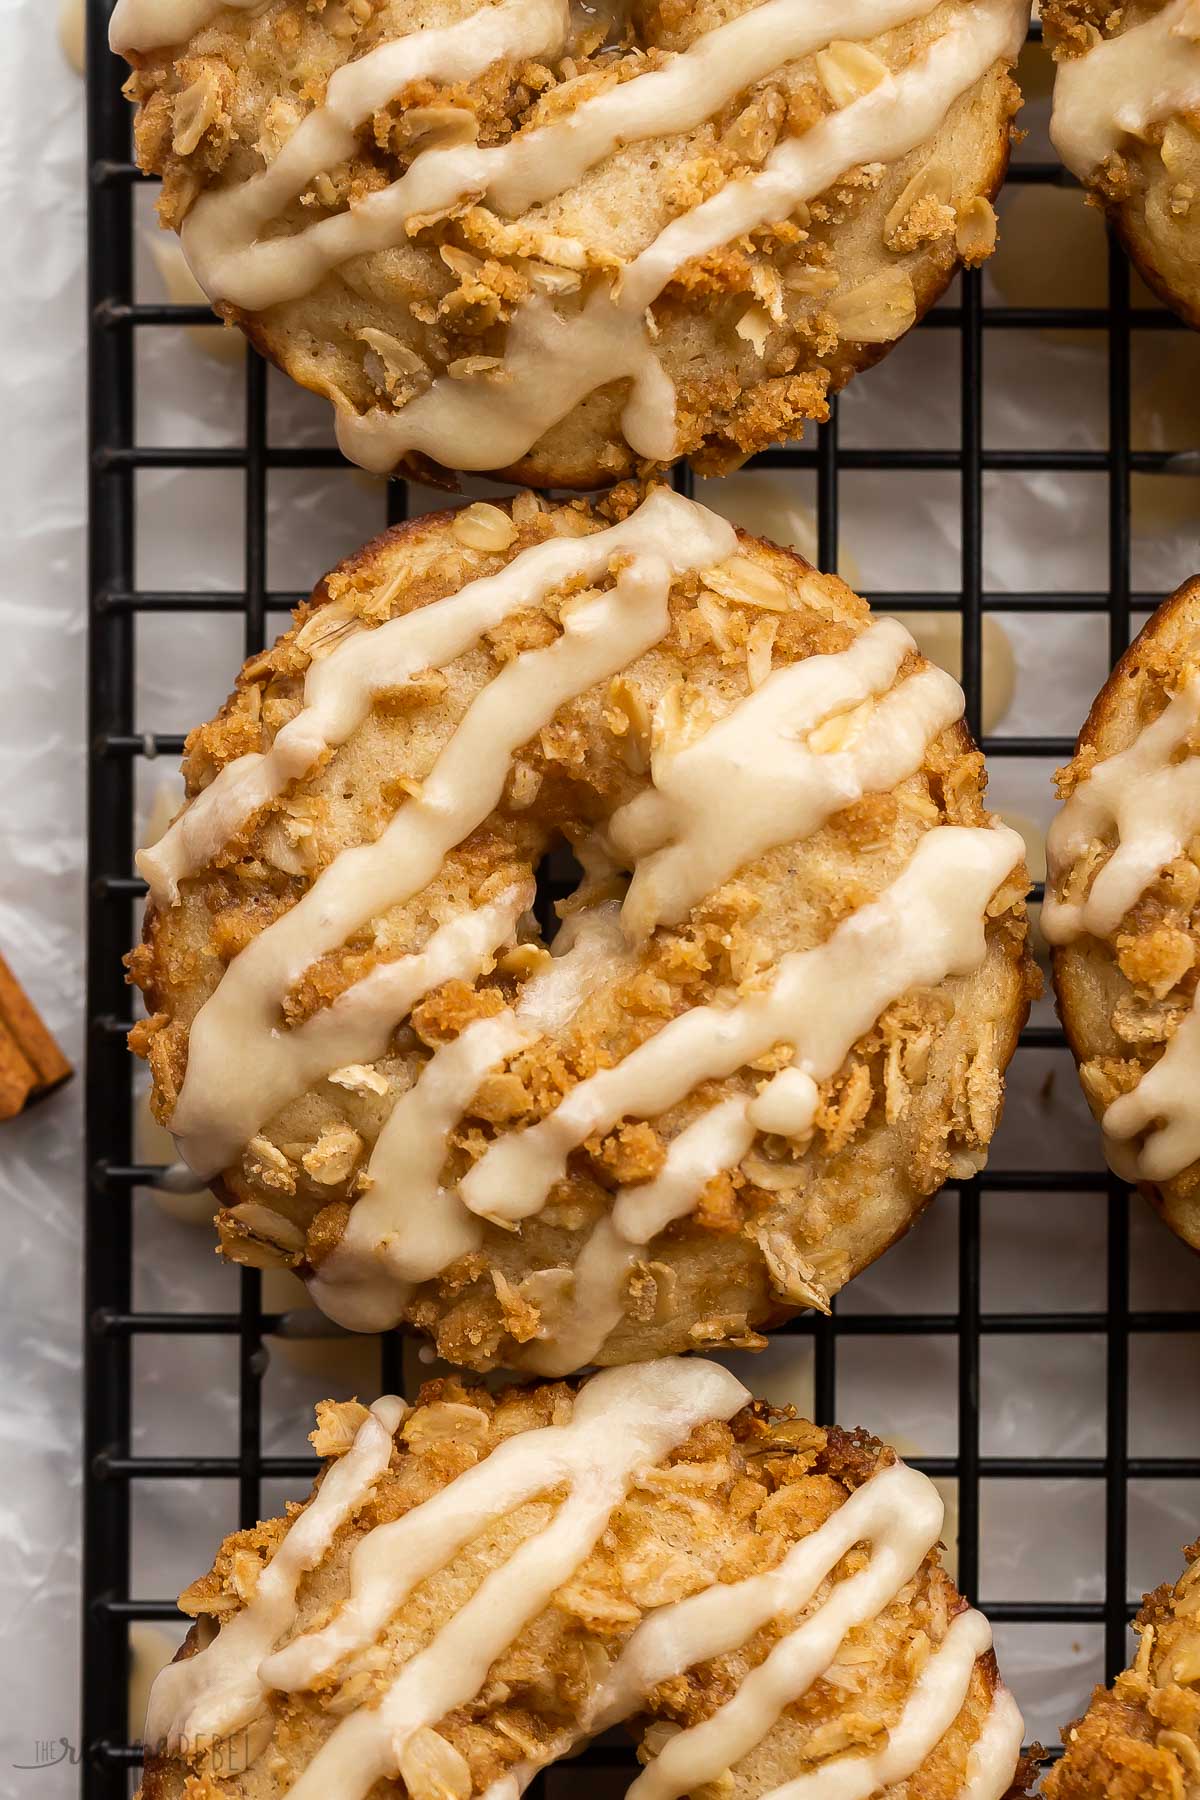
1141,1737
479,1585
1123,910
777,1014
1127,122
563,242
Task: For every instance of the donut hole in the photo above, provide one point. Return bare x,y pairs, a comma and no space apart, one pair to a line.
558,874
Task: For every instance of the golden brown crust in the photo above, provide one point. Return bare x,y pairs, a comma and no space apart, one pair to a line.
1140,1739
733,398
1149,190
769,1479
1115,1009
718,448
916,1102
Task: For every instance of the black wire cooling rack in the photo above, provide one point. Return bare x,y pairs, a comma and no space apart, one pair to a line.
111,1471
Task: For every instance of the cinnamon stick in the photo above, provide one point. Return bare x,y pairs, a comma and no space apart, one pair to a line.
31,1063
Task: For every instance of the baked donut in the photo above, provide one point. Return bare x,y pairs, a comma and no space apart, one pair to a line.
1127,122
776,1017
1123,910
1140,1739
479,1585
558,241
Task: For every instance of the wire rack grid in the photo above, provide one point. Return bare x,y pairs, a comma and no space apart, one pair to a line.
112,1325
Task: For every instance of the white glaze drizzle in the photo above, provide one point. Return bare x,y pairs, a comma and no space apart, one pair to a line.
898,1513
217,1690
1152,803
1122,86
898,1510
885,124
1165,1105
786,1105
599,638
221,233
357,1027
244,1063
661,1400
221,236
553,359
717,1140
710,810
623,1419
341,687
996,1751
927,924
552,362
991,1762
408,1227
900,1518
935,1702
885,939
937,1698
142,25
634,1416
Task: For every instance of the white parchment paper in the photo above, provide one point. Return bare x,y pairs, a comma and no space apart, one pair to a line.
1040,1395
41,883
